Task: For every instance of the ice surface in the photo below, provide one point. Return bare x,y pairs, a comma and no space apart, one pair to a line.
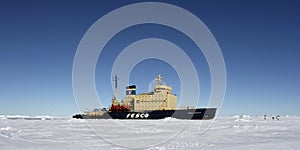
237,132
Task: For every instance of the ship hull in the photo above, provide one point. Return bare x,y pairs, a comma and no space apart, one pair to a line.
198,114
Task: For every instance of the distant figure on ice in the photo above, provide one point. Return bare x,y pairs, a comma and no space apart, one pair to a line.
265,117
277,117
273,117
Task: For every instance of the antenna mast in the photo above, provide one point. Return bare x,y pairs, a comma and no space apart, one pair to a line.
115,79
159,79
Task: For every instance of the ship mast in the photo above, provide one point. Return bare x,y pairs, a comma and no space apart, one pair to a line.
159,79
115,79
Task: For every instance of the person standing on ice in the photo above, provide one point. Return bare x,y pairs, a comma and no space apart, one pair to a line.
265,117
277,117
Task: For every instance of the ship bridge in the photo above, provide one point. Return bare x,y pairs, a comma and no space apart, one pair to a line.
160,99
159,88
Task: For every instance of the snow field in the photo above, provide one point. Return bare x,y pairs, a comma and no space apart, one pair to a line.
237,132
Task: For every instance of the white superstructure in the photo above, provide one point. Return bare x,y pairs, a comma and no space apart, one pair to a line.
160,99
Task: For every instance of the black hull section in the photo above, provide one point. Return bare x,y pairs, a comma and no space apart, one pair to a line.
199,113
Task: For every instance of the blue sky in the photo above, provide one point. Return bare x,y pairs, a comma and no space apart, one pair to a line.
259,41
